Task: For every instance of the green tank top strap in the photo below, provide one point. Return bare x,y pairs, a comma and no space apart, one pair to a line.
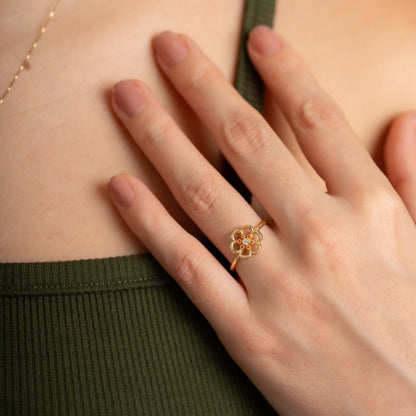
248,82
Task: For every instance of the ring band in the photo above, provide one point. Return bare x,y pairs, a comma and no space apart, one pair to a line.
246,242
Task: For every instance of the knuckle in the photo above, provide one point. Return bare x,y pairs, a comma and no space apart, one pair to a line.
150,220
186,266
245,135
380,202
201,75
320,111
201,194
155,133
322,236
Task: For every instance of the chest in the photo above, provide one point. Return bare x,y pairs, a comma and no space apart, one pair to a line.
362,53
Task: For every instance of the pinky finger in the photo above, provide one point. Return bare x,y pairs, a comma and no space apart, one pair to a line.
220,298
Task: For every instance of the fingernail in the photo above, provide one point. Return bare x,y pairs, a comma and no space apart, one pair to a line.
263,40
129,97
121,190
170,48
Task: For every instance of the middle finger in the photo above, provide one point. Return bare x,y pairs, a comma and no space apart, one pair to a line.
247,141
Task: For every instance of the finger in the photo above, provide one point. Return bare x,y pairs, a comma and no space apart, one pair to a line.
214,205
247,141
319,124
210,287
400,158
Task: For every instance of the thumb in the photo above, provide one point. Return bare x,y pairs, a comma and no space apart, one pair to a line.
400,159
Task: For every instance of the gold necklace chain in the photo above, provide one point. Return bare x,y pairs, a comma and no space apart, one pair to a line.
30,52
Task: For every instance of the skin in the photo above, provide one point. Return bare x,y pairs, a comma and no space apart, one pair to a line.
58,136
50,211
400,154
320,319
59,141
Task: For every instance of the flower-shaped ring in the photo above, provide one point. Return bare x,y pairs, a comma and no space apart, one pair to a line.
246,242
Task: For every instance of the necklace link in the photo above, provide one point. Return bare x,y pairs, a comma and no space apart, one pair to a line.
35,43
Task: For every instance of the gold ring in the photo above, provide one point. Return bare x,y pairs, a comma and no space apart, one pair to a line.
246,242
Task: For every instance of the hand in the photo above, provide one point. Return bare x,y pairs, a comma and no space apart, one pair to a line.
322,318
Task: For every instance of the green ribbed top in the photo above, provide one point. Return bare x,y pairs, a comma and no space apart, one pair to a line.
117,336
111,336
